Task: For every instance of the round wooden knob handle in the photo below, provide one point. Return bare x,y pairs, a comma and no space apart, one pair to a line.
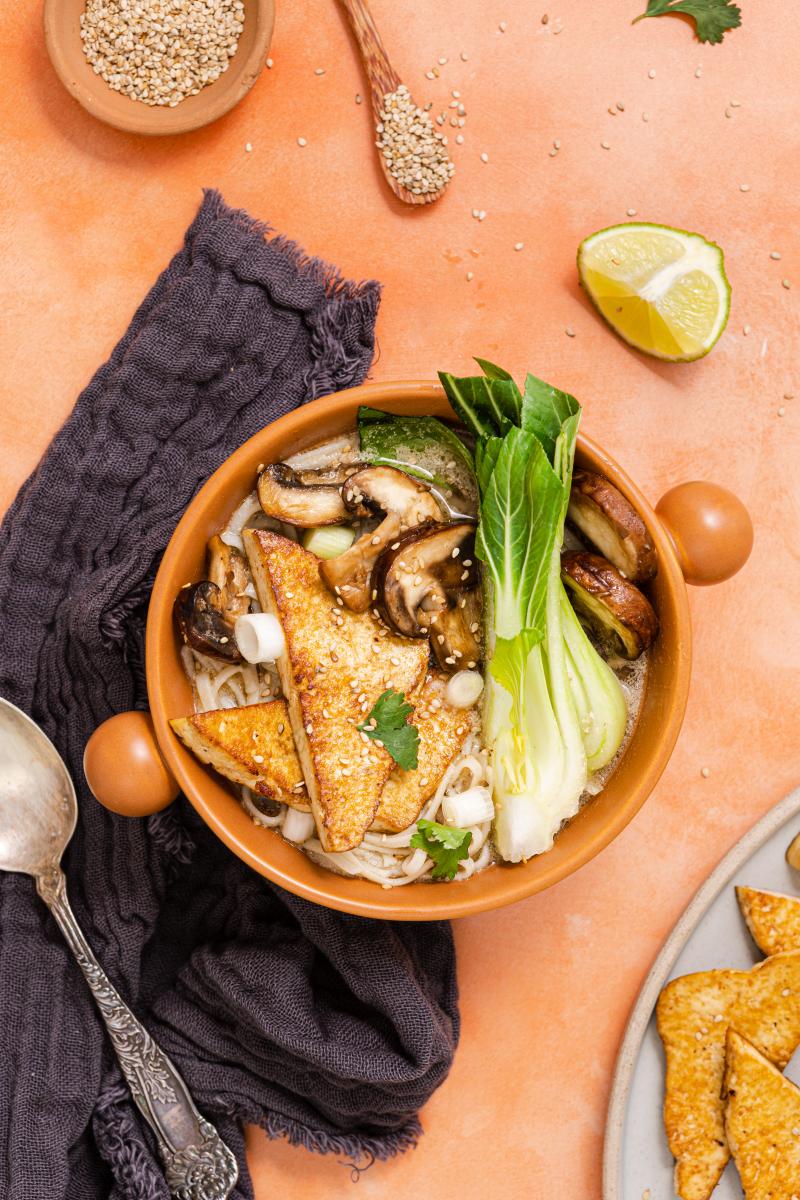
710,529
124,768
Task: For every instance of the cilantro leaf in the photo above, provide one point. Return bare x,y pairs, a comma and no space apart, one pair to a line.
445,845
388,723
712,18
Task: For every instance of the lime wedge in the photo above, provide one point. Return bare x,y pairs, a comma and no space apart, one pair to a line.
663,290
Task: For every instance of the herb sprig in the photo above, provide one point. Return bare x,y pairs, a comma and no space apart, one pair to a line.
445,845
388,724
712,18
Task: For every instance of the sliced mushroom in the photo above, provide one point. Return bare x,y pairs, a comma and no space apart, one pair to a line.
405,504
227,568
304,498
612,525
200,617
427,586
621,616
455,634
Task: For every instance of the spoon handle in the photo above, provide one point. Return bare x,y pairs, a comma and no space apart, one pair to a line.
197,1163
380,72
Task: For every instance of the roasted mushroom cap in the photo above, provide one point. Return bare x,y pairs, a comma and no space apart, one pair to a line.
201,619
304,498
611,523
621,616
228,569
418,573
427,586
405,502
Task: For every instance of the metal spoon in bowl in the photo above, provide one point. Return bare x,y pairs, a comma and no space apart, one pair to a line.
38,813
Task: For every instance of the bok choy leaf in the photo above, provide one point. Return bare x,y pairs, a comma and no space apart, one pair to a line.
554,710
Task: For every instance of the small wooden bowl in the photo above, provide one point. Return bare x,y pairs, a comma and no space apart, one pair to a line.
62,32
701,533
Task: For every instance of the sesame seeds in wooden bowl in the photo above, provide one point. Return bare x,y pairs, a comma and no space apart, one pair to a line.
158,66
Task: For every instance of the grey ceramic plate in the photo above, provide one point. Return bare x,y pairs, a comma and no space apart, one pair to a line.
710,934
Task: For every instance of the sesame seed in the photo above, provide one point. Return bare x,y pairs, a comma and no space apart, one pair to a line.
782,411
269,64
281,727
736,104
301,141
224,640
503,26
605,145
358,97
469,276
746,330
464,56
484,157
557,144
569,331
620,106
440,638
259,758
631,212
744,187
519,245
248,147
651,74
775,255
545,18
482,215
450,660
319,71
442,61
698,72
705,772
459,139
786,284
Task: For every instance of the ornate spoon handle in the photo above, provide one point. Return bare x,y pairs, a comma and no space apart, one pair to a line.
197,1163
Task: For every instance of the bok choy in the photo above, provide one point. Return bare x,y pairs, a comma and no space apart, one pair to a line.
554,710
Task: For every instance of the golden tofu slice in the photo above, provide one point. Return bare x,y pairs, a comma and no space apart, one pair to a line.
773,919
442,732
693,1015
251,745
337,663
762,1123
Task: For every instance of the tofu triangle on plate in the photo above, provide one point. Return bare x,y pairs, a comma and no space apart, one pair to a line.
693,1014
773,919
762,1123
337,663
251,745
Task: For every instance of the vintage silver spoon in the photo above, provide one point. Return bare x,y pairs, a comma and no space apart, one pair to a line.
38,813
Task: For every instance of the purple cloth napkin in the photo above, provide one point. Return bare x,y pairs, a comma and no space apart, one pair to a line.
328,1029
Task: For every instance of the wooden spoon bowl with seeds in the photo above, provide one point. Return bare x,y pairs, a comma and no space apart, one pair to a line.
411,151
246,51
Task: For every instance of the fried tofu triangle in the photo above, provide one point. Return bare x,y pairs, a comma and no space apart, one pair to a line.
693,1015
335,667
773,919
251,745
762,1123
442,732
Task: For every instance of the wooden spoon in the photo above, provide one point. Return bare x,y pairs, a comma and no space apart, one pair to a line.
382,79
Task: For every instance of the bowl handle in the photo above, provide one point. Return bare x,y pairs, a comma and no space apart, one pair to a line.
710,530
124,768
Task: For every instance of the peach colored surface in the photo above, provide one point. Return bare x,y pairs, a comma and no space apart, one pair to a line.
90,215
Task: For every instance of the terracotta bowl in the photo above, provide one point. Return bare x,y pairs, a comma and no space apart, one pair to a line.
62,37
702,533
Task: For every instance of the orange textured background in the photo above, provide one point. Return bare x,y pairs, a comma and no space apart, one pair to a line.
89,216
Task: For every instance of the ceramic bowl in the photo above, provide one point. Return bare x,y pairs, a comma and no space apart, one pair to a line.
701,533
62,36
